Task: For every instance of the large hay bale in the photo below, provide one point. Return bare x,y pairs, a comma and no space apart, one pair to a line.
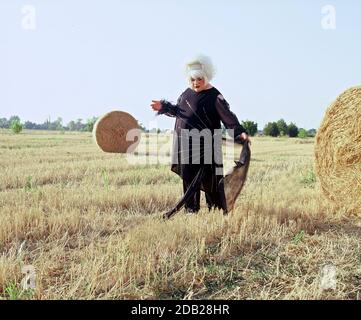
117,132
338,151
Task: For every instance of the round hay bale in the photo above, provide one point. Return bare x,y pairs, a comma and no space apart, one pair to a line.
117,132
338,151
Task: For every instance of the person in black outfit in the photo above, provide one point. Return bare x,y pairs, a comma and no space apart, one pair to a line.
197,142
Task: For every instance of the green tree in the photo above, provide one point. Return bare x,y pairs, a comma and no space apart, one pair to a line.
13,119
90,124
29,125
282,127
311,132
59,124
292,130
46,125
79,126
71,126
16,126
4,123
302,133
250,126
271,129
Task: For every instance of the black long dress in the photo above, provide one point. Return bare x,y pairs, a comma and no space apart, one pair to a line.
201,112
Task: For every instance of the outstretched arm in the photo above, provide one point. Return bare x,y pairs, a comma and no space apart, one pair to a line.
230,120
164,107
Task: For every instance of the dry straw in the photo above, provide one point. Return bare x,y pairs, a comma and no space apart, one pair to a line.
117,132
338,151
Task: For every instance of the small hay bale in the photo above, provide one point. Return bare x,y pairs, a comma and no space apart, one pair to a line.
117,132
338,151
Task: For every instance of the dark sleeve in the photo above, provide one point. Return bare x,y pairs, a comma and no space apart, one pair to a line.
168,108
228,118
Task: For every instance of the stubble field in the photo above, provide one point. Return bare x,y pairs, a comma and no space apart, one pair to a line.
89,224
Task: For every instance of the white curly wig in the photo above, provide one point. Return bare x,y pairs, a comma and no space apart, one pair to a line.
200,67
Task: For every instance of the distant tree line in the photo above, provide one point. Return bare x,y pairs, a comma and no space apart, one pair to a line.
276,129
273,129
14,123
78,125
281,128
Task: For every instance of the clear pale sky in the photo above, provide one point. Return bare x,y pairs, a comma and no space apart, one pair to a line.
274,58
